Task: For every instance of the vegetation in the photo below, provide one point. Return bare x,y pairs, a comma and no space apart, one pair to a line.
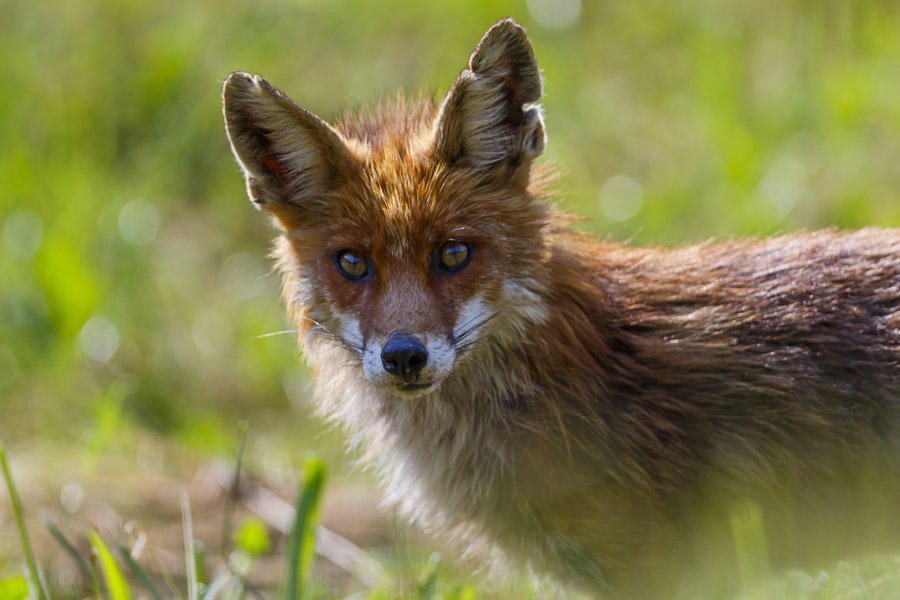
136,303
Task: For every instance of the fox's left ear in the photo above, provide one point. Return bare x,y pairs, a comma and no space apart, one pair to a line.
484,123
292,159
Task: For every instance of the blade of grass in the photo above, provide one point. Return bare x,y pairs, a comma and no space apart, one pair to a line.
750,546
465,592
95,574
167,577
189,557
67,546
116,584
139,571
200,565
230,498
301,541
428,585
19,517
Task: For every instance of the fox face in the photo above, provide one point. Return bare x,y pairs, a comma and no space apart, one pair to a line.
410,229
408,299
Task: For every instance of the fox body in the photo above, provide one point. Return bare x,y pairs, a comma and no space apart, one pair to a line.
584,409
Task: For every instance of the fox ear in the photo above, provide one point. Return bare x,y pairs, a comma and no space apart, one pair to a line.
290,157
484,122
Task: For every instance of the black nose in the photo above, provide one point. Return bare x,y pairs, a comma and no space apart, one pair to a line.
403,356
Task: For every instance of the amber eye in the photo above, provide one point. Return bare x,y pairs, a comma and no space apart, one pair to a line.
351,265
454,255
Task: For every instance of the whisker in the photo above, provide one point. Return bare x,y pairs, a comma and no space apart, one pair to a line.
471,320
320,329
274,333
266,275
353,348
463,348
473,328
467,332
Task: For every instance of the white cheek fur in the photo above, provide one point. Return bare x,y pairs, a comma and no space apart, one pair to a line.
443,352
469,321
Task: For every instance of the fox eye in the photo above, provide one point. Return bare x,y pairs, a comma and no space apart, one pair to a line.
351,265
454,255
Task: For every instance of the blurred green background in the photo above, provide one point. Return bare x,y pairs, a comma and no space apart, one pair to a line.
134,283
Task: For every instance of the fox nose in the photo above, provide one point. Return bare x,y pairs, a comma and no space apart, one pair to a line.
403,356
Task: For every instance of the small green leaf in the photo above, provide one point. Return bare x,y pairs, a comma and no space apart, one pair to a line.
15,588
252,537
116,584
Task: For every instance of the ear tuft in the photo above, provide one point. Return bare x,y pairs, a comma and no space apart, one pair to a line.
533,136
290,157
483,122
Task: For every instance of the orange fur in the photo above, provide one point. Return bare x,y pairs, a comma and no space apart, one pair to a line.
588,410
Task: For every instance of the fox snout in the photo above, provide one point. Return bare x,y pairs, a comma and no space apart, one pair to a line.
404,356
407,364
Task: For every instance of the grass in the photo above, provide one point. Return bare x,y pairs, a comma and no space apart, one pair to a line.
301,541
874,578
36,581
125,578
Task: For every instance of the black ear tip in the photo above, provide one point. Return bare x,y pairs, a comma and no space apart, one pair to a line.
505,47
237,79
506,24
239,83
506,30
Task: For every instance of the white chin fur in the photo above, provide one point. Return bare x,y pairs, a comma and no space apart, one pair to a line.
441,358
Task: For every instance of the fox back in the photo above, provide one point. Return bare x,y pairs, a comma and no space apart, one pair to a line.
583,409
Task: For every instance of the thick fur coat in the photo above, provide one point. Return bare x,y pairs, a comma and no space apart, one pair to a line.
588,410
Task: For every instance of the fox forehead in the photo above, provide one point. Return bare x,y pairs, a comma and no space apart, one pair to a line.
401,193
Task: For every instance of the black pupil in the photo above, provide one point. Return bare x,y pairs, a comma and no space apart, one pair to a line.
454,255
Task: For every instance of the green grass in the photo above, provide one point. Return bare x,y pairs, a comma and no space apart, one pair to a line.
126,578
873,578
134,284
36,580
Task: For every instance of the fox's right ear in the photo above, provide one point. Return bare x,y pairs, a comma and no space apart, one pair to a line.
488,119
290,157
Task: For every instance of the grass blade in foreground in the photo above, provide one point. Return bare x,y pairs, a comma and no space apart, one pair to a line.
225,544
301,541
95,574
116,585
428,585
750,545
68,547
20,524
139,571
189,557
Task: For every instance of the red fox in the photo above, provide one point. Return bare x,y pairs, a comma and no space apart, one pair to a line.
587,410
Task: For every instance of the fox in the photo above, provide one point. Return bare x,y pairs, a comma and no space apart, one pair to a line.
602,414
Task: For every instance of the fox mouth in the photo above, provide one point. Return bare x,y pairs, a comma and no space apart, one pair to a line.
412,390
414,387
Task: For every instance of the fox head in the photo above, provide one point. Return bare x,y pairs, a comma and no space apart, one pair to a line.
411,232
